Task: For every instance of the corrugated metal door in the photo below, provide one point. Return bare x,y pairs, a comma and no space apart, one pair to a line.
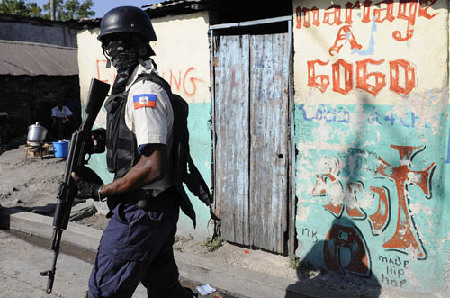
251,110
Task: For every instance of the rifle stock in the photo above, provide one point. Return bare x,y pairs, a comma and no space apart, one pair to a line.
80,145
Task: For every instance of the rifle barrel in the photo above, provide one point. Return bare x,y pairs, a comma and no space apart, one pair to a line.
52,272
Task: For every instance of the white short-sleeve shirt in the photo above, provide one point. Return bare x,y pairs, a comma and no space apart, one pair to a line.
149,115
65,112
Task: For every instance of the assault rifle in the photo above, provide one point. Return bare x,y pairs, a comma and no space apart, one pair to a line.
81,146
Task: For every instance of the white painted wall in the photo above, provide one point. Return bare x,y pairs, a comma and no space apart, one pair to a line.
379,41
182,54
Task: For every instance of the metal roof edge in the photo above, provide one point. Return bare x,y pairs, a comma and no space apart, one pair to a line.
15,18
176,7
251,23
30,43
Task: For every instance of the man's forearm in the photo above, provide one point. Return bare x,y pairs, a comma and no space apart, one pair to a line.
134,179
149,169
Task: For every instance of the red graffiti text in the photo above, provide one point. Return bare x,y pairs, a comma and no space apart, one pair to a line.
346,76
380,12
183,81
102,75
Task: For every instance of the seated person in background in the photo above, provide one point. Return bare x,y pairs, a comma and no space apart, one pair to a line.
61,126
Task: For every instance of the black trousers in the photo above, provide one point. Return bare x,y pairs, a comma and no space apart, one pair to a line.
137,247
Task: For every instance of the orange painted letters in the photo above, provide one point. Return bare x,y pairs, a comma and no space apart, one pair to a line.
372,83
335,11
362,77
406,11
342,37
347,75
320,82
308,14
410,76
388,11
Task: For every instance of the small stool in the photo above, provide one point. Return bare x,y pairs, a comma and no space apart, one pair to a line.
35,147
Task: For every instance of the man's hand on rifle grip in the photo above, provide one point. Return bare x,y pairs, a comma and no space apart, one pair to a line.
98,137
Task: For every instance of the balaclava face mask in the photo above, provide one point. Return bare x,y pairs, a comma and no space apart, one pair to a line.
125,54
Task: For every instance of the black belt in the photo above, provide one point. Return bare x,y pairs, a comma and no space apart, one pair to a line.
143,197
140,197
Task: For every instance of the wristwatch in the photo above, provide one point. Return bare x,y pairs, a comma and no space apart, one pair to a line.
100,197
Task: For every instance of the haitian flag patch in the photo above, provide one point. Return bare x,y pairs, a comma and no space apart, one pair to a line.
144,101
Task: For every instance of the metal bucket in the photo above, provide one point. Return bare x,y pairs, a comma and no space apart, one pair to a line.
36,134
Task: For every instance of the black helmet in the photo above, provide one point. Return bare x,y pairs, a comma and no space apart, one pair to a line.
127,19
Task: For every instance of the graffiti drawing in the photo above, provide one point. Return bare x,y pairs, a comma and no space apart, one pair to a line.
404,240
350,238
102,74
347,76
344,196
410,76
334,13
320,82
380,219
381,12
343,71
344,34
362,77
340,201
395,273
310,233
307,16
402,72
384,14
327,114
184,81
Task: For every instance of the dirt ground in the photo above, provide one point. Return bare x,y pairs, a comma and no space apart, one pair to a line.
29,181
31,184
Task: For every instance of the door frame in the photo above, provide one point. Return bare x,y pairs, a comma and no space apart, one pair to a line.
292,204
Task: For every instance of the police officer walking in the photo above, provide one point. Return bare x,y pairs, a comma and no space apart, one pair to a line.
137,244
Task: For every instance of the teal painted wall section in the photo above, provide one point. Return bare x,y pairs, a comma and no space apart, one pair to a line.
98,162
447,181
372,192
199,124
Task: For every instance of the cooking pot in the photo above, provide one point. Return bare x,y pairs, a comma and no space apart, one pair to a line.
36,134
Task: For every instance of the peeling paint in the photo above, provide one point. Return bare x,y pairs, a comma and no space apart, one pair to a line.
417,207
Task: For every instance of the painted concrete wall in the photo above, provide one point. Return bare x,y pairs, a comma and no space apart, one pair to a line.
58,34
371,129
183,60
